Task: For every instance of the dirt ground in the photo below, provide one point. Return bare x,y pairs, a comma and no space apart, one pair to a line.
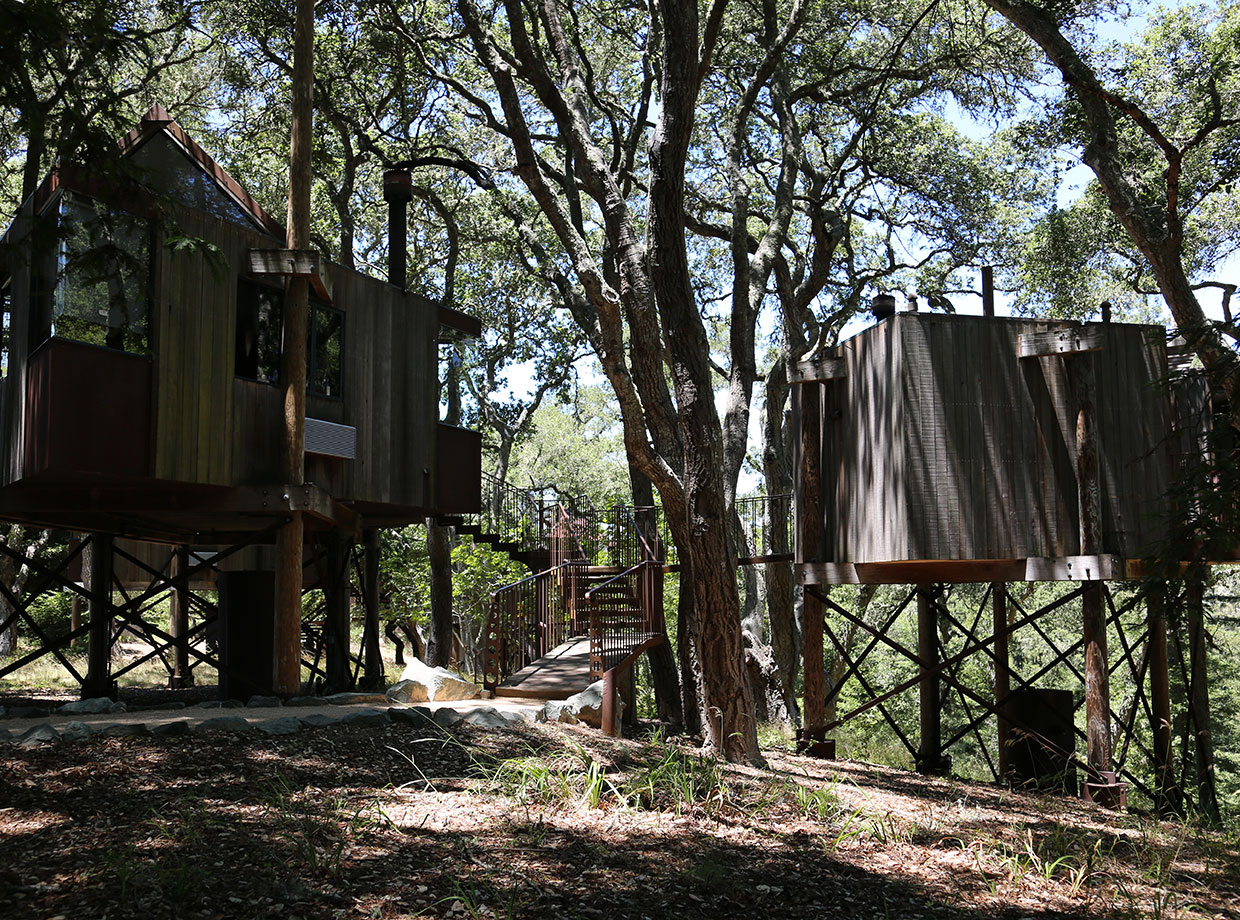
396,821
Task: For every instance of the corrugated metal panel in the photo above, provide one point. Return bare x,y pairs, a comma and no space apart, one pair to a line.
330,439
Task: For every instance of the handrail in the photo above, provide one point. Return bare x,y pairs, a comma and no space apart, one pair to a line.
629,571
517,584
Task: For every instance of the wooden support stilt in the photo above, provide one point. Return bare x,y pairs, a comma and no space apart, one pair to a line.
1199,698
1167,794
99,652
929,755
336,619
372,655
178,623
807,404
1003,678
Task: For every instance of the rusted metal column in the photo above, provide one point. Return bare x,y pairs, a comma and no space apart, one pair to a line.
99,652
929,757
807,405
372,654
1166,792
178,623
1003,677
1199,697
988,291
336,620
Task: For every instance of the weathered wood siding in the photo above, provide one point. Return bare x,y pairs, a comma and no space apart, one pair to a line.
941,443
210,427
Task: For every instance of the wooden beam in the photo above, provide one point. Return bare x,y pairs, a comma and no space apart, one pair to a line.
1003,682
293,263
822,369
807,410
1167,792
99,652
929,754
1066,342
469,326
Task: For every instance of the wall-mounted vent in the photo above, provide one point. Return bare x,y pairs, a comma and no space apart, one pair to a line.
330,439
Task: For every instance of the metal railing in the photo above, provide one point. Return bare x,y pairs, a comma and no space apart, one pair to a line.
766,521
626,614
528,619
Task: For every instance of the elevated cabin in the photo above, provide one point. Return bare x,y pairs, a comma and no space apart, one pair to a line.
142,319
940,448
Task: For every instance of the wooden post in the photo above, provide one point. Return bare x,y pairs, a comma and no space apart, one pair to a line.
99,652
336,621
807,404
290,538
1199,697
372,655
1003,684
1166,792
929,757
178,623
988,291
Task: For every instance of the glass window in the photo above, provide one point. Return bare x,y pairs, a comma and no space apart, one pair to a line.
326,348
260,317
103,277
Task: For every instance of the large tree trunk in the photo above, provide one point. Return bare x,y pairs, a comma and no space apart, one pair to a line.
290,538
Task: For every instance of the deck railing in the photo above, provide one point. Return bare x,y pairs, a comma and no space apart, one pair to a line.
626,615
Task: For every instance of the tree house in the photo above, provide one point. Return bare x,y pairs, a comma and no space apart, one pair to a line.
142,339
142,303
943,449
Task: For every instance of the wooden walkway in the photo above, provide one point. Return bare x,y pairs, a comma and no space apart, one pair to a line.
559,674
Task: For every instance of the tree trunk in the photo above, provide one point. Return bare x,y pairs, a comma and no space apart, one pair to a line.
780,585
291,537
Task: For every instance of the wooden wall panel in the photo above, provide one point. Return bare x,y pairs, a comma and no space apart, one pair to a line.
943,444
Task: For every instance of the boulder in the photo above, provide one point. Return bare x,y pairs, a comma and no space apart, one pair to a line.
318,719
494,718
123,730
447,717
586,706
171,729
75,731
417,716
356,699
43,733
91,706
407,692
440,683
286,725
224,724
366,717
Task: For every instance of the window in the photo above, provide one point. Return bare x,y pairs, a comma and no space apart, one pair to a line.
260,318
102,292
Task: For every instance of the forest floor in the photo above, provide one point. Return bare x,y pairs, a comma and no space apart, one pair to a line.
398,821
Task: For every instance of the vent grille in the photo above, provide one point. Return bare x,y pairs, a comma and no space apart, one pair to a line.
330,439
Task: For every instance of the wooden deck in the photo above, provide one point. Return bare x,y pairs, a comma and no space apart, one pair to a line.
559,674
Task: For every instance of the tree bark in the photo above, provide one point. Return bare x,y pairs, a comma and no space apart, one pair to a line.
290,538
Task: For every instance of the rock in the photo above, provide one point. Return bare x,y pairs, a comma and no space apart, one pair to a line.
118,707
123,730
264,702
171,729
492,718
208,704
417,716
303,701
440,683
356,699
447,717
318,719
408,691
224,724
91,706
75,731
586,706
231,704
366,717
153,707
286,725
37,735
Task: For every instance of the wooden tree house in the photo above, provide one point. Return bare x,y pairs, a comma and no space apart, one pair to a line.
142,303
945,449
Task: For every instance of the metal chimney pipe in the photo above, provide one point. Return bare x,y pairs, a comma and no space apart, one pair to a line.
397,192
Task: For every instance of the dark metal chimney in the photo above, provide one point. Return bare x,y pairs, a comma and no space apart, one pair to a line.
397,192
